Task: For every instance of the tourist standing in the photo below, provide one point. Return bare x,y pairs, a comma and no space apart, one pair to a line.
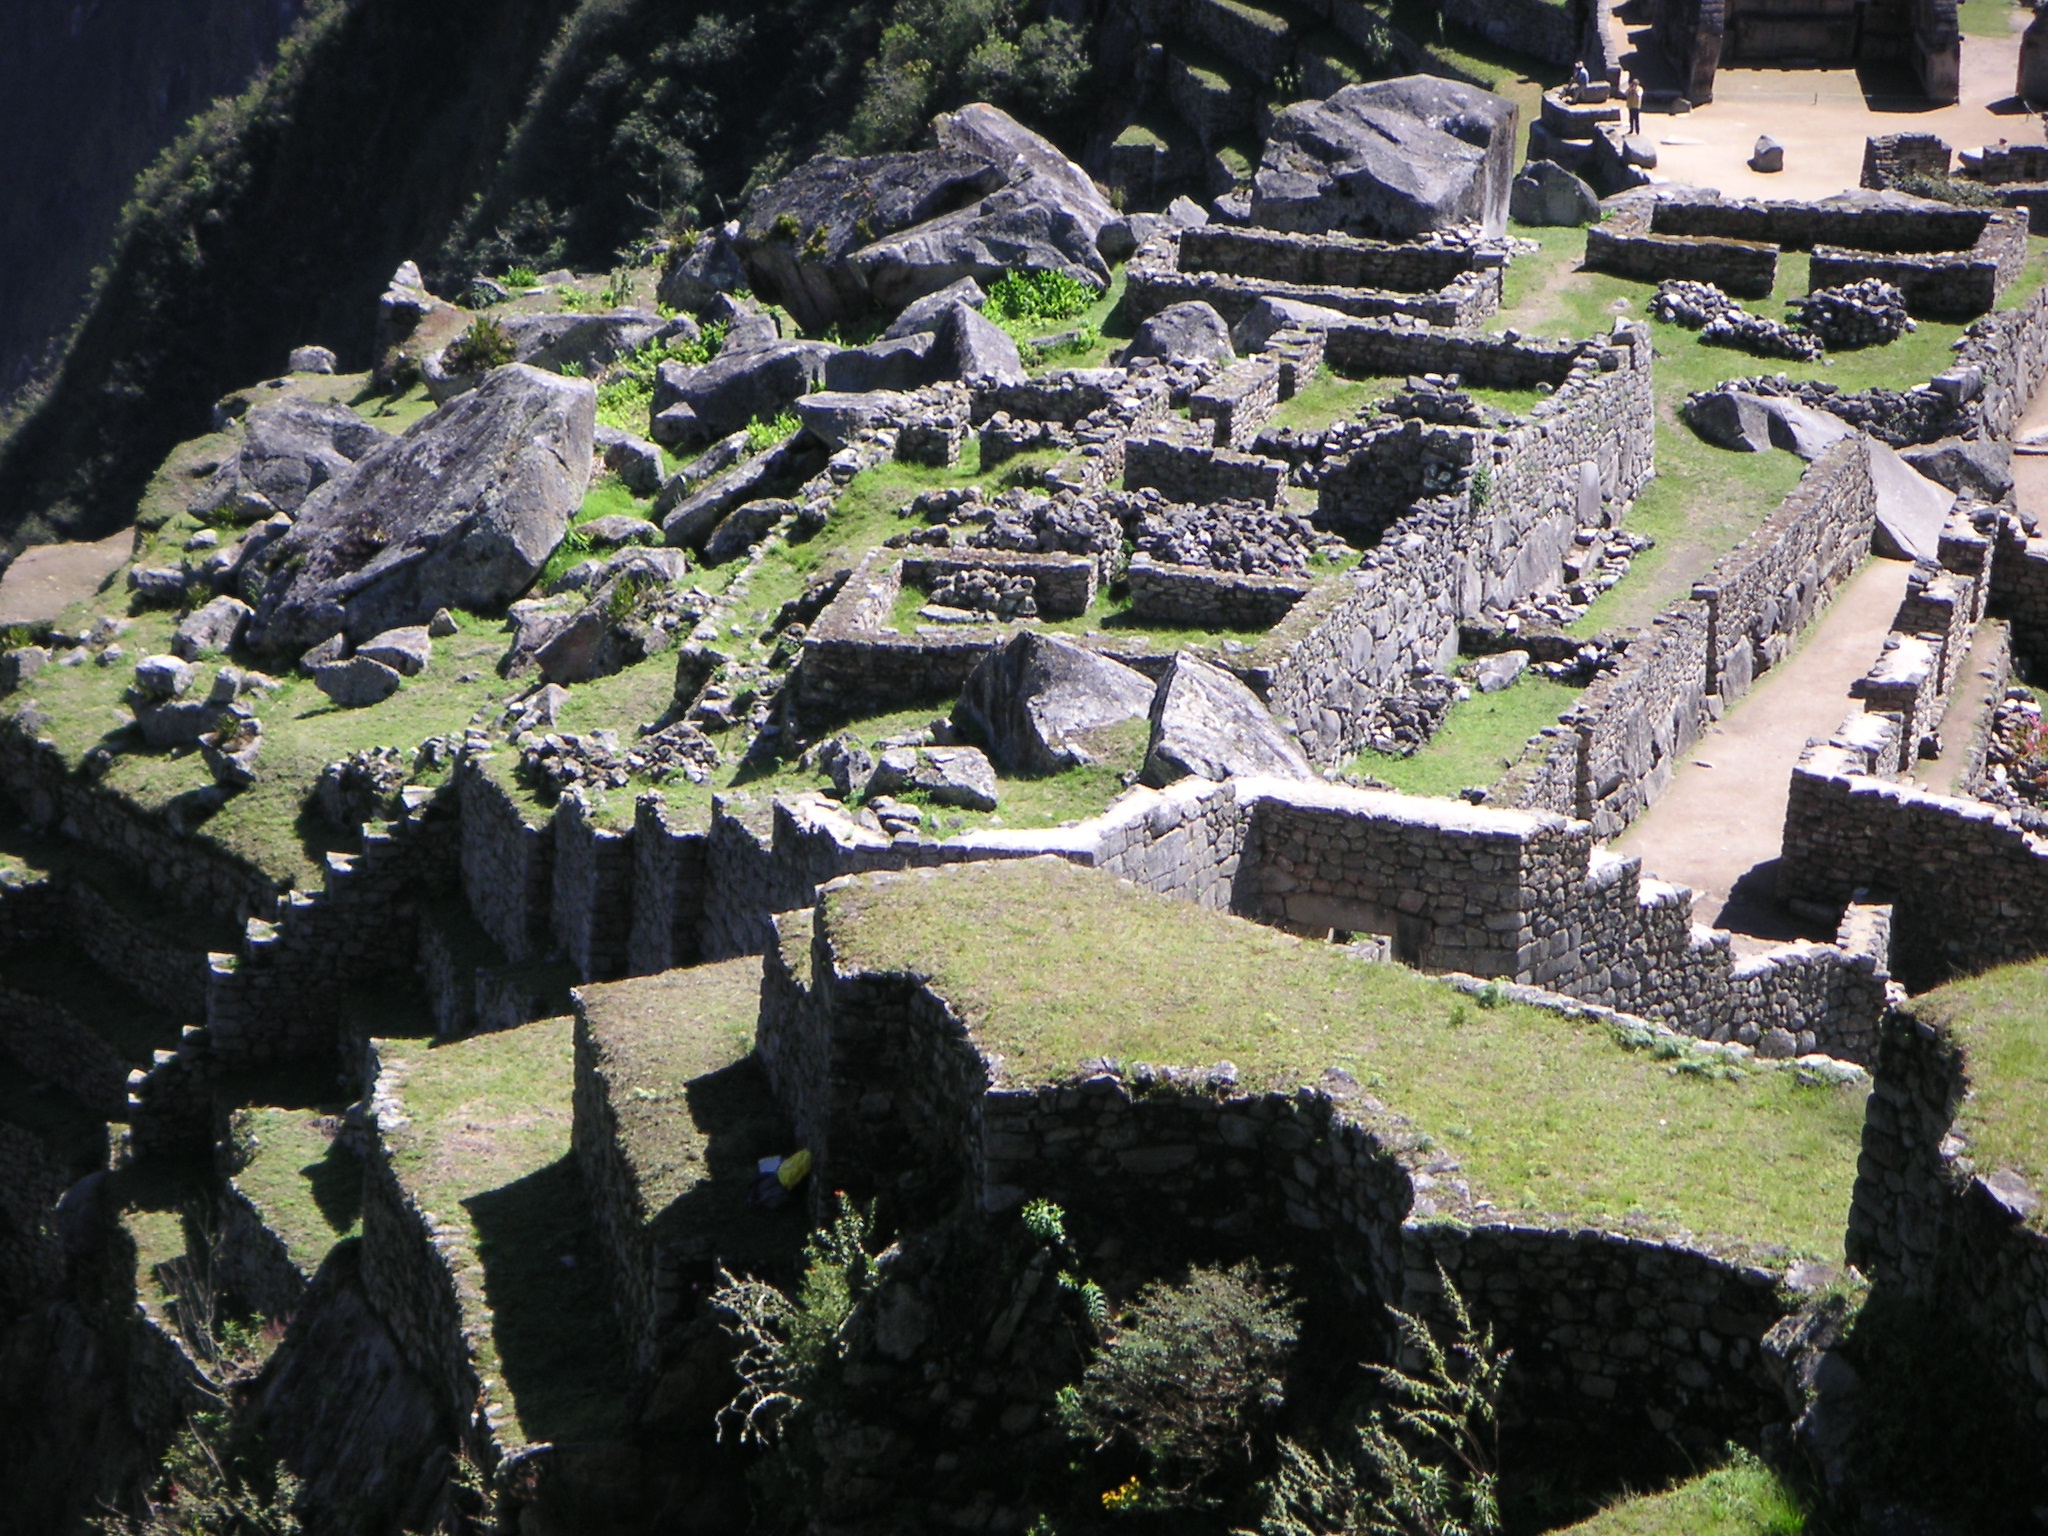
1581,81
1635,106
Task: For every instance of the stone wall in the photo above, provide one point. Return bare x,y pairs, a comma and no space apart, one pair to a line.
1688,33
507,864
2002,360
1195,597
1180,460
1539,28
593,891
31,1183
1929,1222
1889,158
668,889
53,1045
1238,400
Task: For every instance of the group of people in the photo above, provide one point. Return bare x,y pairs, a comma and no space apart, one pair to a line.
1631,92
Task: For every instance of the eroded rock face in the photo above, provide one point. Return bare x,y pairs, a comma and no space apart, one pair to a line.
1207,724
1039,700
1390,160
461,512
289,450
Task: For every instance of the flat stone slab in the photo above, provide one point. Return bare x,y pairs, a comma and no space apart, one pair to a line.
45,579
1910,507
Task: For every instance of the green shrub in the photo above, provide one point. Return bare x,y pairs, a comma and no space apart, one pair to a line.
1037,295
1045,1221
618,291
936,54
1190,1378
484,346
626,393
202,1489
517,278
1949,189
1428,1467
763,434
785,229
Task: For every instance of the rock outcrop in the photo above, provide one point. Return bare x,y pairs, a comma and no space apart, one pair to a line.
289,450
461,512
1038,701
1208,724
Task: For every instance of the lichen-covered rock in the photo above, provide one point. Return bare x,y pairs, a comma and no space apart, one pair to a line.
737,387
959,776
1190,332
1039,702
216,627
162,677
1548,194
406,651
460,512
1390,160
1207,723
923,314
357,682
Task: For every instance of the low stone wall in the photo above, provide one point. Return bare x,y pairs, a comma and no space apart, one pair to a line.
1238,400
1969,887
1186,466
52,1045
1445,283
2019,588
31,1183
252,1262
1929,1222
1195,597
2003,359
1064,584
1889,158
1488,361
1539,28
1635,723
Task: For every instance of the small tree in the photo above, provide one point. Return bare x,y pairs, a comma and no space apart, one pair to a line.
1191,1376
1427,1468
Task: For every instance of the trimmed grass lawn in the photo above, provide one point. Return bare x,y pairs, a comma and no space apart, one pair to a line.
2001,1019
1053,965
1744,1498
485,1149
692,1108
1481,738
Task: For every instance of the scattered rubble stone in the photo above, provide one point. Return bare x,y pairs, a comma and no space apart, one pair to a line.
980,590
1871,313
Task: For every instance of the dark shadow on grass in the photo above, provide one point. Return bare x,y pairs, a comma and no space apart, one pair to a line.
737,1117
337,1185
558,1342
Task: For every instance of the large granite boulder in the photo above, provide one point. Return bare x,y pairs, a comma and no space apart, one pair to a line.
1967,466
898,363
1189,332
559,343
735,388
1729,419
1547,194
1040,703
1910,507
1271,315
969,346
709,266
837,237
1208,724
289,450
923,314
797,233
460,512
1390,160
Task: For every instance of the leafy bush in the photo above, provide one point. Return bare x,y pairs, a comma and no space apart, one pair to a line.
1190,1378
786,1346
1427,1469
1044,1220
1037,295
203,1490
936,54
1949,189
516,278
763,434
484,346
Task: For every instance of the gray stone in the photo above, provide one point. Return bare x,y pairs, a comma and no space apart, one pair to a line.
692,278
1548,194
1778,1044
1390,160
959,776
1729,419
743,527
1270,315
442,625
646,564
971,347
310,360
406,650
1187,213
333,648
636,462
290,448
676,427
620,528
1910,507
1639,150
230,752
1967,466
557,343
18,666
171,725
357,682
735,388
1492,674
460,512
216,627
162,677
836,419
1207,723
1190,332
907,362
1039,702
922,315
1802,429
689,510
1768,156
159,586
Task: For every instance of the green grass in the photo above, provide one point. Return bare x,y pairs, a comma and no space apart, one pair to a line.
485,1149
1481,737
1052,965
2001,1020
1744,1498
607,497
1329,398
691,1107
1988,18
1105,326
307,1190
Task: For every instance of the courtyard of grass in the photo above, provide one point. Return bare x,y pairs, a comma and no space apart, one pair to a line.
483,1145
2000,1019
1548,1115
306,1187
1482,737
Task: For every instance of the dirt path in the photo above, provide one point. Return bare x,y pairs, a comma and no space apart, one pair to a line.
1718,827
47,578
1822,118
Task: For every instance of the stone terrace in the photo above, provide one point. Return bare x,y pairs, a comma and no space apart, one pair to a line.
954,1024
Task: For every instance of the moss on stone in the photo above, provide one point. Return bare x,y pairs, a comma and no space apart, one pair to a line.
1548,1115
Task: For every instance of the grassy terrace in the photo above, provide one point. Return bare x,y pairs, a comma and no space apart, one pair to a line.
2001,1019
1481,737
1054,965
485,1149
693,1108
307,1190
1744,1498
